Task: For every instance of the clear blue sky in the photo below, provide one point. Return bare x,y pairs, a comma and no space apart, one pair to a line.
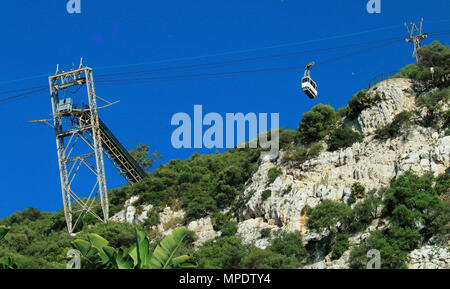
36,35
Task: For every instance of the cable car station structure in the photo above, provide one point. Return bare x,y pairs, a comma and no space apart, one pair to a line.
76,125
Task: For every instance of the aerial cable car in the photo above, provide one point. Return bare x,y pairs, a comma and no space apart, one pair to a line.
308,85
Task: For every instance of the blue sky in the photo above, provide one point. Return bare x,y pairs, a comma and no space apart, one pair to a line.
37,35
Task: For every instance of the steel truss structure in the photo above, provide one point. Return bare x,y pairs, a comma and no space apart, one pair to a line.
416,36
73,125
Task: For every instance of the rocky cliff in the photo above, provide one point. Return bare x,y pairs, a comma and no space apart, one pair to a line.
372,163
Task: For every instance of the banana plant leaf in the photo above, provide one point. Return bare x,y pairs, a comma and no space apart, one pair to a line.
3,231
163,254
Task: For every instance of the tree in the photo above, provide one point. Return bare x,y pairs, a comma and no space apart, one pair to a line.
141,155
342,138
316,123
360,101
289,245
327,214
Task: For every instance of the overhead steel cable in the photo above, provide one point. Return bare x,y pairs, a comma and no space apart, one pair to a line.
231,73
257,49
244,60
21,95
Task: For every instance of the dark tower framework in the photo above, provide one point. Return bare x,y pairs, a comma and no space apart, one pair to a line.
73,125
416,36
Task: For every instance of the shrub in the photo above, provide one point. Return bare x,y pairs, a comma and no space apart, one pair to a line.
341,245
434,55
152,218
342,138
342,112
265,233
360,101
286,137
290,245
220,220
297,154
315,150
327,214
316,123
266,259
265,195
201,206
358,190
224,253
364,212
400,121
432,101
446,117
391,256
273,174
229,228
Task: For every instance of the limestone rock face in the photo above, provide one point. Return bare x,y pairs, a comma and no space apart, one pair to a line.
430,257
250,231
128,214
372,163
203,229
393,96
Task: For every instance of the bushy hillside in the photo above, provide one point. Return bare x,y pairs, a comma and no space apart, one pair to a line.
371,175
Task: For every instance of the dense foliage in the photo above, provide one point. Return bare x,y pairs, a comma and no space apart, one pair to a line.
316,123
401,121
360,101
416,213
342,138
436,56
285,252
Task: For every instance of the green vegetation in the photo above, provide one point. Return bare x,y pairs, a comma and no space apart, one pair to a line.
285,252
286,137
202,184
316,124
327,214
401,121
142,155
360,101
340,245
272,174
342,138
434,55
413,207
265,195
229,228
300,154
97,254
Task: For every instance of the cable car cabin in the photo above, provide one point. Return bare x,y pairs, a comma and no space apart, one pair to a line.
65,106
309,87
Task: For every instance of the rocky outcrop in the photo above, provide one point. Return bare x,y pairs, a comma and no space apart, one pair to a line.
330,176
128,213
371,163
430,257
204,230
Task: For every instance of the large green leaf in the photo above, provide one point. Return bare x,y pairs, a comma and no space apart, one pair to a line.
180,262
7,262
84,247
123,261
97,241
164,253
140,252
3,231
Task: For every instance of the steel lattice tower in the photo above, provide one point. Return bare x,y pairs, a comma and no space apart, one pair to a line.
74,126
416,36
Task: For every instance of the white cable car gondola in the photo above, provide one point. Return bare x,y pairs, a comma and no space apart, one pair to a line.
308,85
